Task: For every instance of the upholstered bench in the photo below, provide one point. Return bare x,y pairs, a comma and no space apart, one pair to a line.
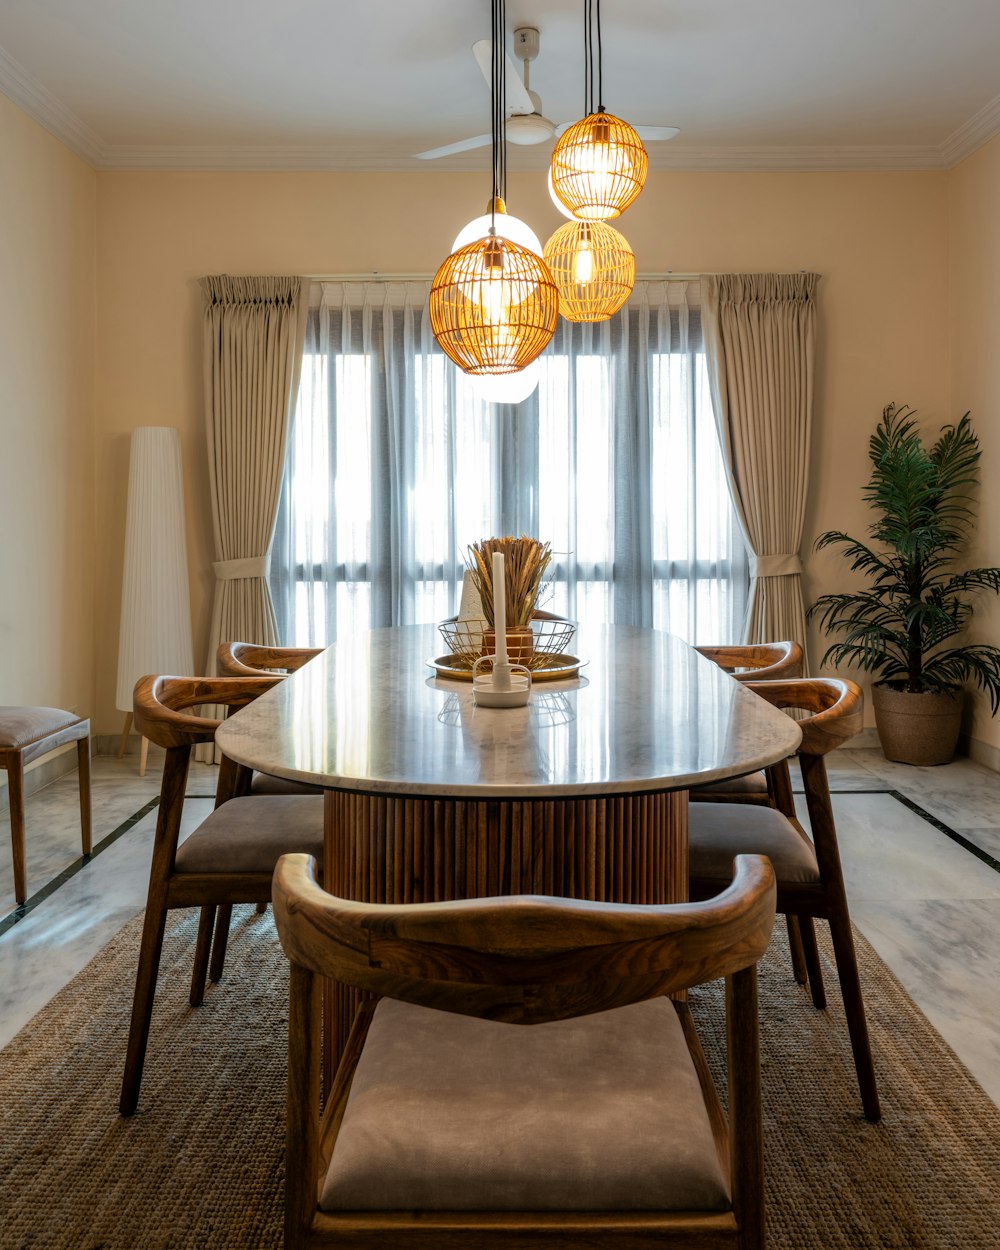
25,734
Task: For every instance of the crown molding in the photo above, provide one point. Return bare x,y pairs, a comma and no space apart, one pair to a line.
49,111
335,157
39,103
979,129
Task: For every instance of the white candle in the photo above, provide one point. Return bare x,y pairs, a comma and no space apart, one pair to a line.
499,610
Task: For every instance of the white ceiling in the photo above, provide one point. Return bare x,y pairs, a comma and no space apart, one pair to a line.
364,85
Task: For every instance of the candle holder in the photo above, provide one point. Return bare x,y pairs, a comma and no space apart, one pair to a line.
505,685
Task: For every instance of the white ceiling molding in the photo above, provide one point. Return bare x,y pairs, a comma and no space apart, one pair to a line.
39,103
979,129
336,157
49,111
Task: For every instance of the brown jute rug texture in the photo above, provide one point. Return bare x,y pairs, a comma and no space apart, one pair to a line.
201,1165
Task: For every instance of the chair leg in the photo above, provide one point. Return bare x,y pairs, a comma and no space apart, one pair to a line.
795,947
15,786
261,908
123,741
142,1004
203,946
854,1009
810,950
83,765
221,940
143,753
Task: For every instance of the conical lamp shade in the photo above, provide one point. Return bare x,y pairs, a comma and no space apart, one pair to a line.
155,635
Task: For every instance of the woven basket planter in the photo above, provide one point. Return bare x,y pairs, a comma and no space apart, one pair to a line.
917,728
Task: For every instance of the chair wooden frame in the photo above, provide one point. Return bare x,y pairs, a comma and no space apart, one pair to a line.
14,760
524,960
162,714
762,661
836,708
247,659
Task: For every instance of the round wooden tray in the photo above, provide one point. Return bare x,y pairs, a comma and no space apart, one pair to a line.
556,668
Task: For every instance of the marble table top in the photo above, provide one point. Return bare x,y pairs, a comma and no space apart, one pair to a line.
647,713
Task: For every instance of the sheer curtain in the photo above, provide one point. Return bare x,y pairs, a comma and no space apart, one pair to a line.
395,465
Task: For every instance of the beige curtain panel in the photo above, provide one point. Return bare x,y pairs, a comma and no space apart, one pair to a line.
760,332
254,331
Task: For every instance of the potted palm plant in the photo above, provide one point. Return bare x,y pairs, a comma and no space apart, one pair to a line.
902,626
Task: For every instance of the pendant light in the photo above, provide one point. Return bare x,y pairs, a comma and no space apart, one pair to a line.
493,303
599,164
593,267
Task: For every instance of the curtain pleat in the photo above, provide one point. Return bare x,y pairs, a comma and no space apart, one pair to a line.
253,336
760,332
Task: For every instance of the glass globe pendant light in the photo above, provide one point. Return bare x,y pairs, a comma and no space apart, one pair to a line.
599,164
493,303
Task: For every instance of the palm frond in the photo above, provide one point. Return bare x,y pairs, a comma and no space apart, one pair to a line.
922,499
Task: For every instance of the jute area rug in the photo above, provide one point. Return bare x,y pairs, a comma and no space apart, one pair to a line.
201,1165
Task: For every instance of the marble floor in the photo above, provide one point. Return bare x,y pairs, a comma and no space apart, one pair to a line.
921,851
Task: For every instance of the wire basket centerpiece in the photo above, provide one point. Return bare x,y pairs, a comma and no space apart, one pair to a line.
532,637
550,636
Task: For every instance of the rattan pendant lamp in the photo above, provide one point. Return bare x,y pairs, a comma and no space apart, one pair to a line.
591,263
493,303
599,164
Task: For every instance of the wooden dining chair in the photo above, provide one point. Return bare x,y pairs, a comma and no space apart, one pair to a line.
762,661
228,859
449,1126
809,873
248,659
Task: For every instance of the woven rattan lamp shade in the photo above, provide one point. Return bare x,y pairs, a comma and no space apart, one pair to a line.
599,167
593,267
493,306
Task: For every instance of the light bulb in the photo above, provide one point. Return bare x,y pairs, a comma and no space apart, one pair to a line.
583,263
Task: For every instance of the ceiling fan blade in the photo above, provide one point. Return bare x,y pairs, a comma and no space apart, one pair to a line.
653,133
463,145
650,133
518,100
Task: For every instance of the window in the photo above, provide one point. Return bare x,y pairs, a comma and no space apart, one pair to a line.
395,466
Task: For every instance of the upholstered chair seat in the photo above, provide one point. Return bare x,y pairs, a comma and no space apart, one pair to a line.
716,834
264,783
248,835
604,1112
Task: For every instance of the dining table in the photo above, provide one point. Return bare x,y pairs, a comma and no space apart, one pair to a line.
580,793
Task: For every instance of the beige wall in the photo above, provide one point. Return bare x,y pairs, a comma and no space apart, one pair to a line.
879,240
974,236
47,328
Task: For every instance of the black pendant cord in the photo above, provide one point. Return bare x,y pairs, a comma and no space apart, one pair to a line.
498,94
592,19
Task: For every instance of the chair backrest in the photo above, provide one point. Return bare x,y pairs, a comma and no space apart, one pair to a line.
246,659
763,661
524,959
161,705
161,711
836,706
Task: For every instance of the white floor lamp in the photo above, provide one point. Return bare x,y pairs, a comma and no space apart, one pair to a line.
155,635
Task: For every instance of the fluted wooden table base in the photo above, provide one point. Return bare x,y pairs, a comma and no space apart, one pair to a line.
383,849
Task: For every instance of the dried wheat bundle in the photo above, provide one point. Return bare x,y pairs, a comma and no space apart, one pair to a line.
525,562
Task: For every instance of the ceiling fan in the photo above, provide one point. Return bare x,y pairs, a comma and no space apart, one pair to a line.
526,123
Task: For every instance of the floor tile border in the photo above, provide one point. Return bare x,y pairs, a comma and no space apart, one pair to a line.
25,909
